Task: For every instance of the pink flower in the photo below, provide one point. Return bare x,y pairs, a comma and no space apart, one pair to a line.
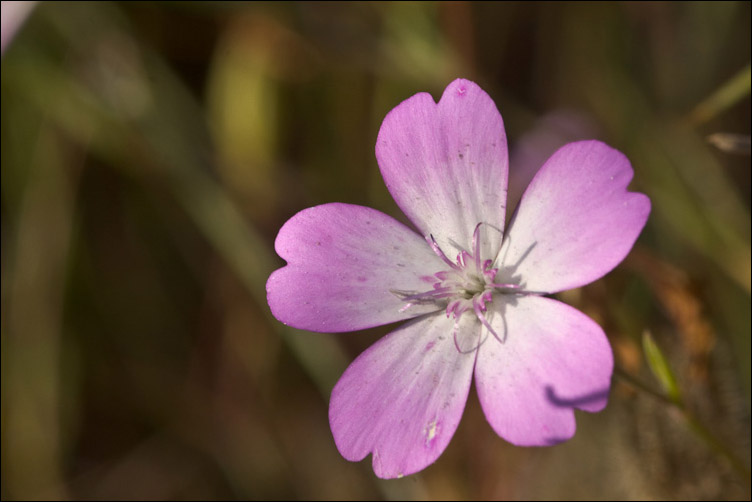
473,291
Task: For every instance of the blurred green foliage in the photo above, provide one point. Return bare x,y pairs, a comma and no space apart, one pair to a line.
150,152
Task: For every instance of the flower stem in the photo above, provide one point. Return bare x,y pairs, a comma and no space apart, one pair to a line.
694,424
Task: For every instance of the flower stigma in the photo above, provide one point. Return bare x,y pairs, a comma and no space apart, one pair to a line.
468,284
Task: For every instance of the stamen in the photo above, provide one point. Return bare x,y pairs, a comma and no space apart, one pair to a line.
456,308
483,320
485,298
504,286
463,286
434,293
436,249
462,258
476,247
457,343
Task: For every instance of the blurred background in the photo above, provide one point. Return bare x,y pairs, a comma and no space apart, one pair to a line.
151,151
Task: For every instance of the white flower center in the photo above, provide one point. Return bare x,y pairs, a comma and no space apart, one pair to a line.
468,284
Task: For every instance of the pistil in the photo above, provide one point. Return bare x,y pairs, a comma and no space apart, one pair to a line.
468,284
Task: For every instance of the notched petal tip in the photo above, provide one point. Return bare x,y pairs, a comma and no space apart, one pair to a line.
576,221
343,262
555,359
402,399
271,288
462,88
446,163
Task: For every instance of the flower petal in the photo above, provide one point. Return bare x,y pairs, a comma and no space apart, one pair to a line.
553,358
446,164
345,263
531,150
403,398
576,221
